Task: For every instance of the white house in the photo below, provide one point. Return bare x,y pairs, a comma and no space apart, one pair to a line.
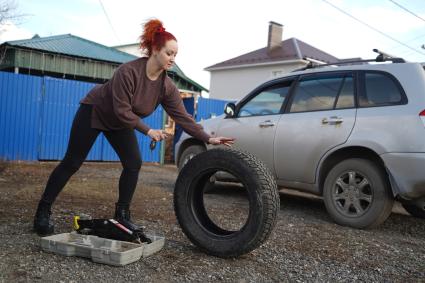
236,77
132,48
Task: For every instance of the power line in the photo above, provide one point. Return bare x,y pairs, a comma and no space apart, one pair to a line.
407,10
109,21
410,40
371,27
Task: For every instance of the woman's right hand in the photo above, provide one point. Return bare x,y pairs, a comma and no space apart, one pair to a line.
157,135
221,140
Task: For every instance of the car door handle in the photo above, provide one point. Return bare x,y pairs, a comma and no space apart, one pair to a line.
332,120
266,124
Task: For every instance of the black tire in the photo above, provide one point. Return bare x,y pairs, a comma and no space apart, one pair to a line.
365,201
416,208
193,218
189,153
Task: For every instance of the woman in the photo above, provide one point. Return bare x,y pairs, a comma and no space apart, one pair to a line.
114,109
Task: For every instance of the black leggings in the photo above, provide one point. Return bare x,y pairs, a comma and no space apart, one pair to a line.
81,141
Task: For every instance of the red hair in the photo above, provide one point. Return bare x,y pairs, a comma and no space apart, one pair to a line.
154,36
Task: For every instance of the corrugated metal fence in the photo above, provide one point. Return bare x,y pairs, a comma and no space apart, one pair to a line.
209,108
20,103
36,115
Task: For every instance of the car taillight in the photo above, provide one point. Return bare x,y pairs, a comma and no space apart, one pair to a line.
422,116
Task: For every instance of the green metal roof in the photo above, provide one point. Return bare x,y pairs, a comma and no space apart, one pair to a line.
175,68
69,44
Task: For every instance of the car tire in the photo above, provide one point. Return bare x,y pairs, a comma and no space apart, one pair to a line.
416,209
261,190
357,194
189,153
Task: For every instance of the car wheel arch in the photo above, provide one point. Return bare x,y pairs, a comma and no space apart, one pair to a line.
341,154
187,143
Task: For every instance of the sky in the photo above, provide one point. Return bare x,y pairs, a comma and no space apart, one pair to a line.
209,32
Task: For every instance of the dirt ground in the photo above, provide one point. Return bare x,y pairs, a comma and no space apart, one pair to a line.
305,245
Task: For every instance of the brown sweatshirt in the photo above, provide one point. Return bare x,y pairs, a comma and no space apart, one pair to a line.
130,95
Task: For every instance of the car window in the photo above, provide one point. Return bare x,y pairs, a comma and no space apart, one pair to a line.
323,93
379,89
346,95
268,102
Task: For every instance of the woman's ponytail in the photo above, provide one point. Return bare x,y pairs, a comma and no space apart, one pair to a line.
154,36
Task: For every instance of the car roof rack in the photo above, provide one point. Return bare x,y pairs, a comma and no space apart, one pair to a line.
382,57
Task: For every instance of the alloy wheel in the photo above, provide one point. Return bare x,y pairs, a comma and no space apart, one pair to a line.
352,194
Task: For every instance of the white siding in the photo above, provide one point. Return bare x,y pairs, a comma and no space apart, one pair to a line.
132,49
234,84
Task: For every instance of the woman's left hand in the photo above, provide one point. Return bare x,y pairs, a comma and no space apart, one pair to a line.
221,140
157,135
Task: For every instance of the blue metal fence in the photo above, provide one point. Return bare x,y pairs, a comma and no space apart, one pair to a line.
36,115
60,101
19,116
189,104
155,121
208,108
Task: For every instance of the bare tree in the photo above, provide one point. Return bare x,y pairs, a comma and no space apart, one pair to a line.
8,11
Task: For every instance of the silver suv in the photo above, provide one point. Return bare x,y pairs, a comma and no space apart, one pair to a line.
353,134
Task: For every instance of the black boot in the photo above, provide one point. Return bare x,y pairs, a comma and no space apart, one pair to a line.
42,223
122,215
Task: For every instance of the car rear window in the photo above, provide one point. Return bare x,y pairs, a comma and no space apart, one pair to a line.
379,89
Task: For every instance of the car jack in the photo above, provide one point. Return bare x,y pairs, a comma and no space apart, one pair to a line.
110,229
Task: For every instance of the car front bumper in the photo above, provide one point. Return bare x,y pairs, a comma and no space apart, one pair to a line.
407,173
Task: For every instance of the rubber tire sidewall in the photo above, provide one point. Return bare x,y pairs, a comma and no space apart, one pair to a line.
261,188
382,201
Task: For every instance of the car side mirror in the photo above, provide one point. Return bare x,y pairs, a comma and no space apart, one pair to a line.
230,110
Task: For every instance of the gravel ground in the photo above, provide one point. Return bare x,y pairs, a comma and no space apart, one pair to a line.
305,245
